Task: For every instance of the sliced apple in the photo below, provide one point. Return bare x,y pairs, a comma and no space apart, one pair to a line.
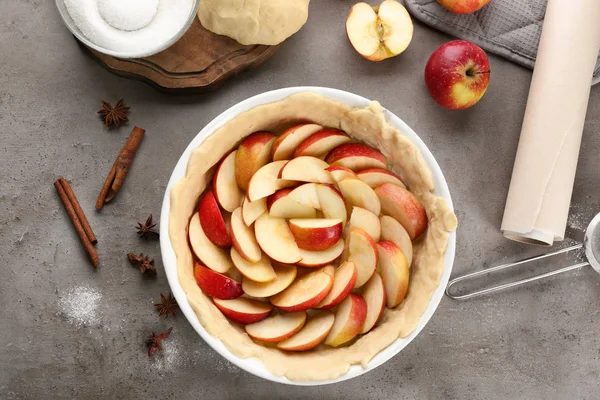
343,284
356,156
211,255
313,259
374,294
306,292
276,240
243,239
375,177
363,253
358,194
265,182
402,205
394,231
224,185
338,172
332,203
284,276
277,327
349,319
307,195
260,271
244,310
215,284
311,335
394,272
281,205
251,210
321,143
253,153
381,32
212,220
284,146
316,234
306,169
366,220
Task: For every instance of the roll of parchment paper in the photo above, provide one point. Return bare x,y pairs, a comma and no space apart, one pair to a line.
540,191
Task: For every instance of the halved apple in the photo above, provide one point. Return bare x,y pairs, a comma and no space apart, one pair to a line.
224,184
277,327
243,239
251,210
290,139
313,259
212,220
215,284
307,195
332,203
306,291
281,205
394,272
363,253
311,335
375,177
276,240
356,156
265,182
394,231
343,284
253,153
321,143
284,276
206,251
349,319
377,33
366,220
374,294
357,193
404,207
260,271
244,310
306,169
316,234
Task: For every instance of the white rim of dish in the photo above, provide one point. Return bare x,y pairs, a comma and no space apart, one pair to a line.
253,365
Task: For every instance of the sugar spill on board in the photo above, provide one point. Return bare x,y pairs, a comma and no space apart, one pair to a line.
80,305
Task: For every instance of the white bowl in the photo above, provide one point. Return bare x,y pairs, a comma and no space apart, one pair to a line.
252,365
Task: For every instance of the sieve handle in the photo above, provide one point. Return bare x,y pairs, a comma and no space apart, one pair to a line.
467,277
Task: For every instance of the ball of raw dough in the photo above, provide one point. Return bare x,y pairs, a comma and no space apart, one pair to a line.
254,21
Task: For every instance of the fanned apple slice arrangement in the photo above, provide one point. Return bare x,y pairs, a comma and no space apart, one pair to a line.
305,238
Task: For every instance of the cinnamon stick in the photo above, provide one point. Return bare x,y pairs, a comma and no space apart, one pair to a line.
78,210
83,238
119,170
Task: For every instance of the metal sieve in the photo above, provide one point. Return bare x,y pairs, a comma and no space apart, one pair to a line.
591,244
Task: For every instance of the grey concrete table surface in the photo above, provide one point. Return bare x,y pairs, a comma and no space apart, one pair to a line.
67,331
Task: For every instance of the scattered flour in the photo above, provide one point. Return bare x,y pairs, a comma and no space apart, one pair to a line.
169,357
80,305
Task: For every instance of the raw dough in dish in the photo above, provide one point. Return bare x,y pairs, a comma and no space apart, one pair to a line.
267,22
365,124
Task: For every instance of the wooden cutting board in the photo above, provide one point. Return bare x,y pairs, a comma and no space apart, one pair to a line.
200,61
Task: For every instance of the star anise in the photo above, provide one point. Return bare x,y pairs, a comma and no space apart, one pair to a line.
146,230
166,306
142,262
154,342
115,115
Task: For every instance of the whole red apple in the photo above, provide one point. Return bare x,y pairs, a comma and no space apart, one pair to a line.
463,6
457,74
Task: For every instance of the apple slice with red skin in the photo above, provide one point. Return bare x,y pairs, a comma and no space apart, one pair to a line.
343,284
402,205
358,193
306,169
244,310
206,251
332,203
281,205
212,220
463,6
306,292
265,182
285,145
215,284
363,253
393,231
284,276
356,156
243,238
338,172
366,220
375,177
277,327
316,234
349,319
253,153
312,259
394,272
374,294
307,195
321,143
276,240
311,335
251,210
224,185
260,271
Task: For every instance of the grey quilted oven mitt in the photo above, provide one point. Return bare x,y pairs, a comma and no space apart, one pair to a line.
509,28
